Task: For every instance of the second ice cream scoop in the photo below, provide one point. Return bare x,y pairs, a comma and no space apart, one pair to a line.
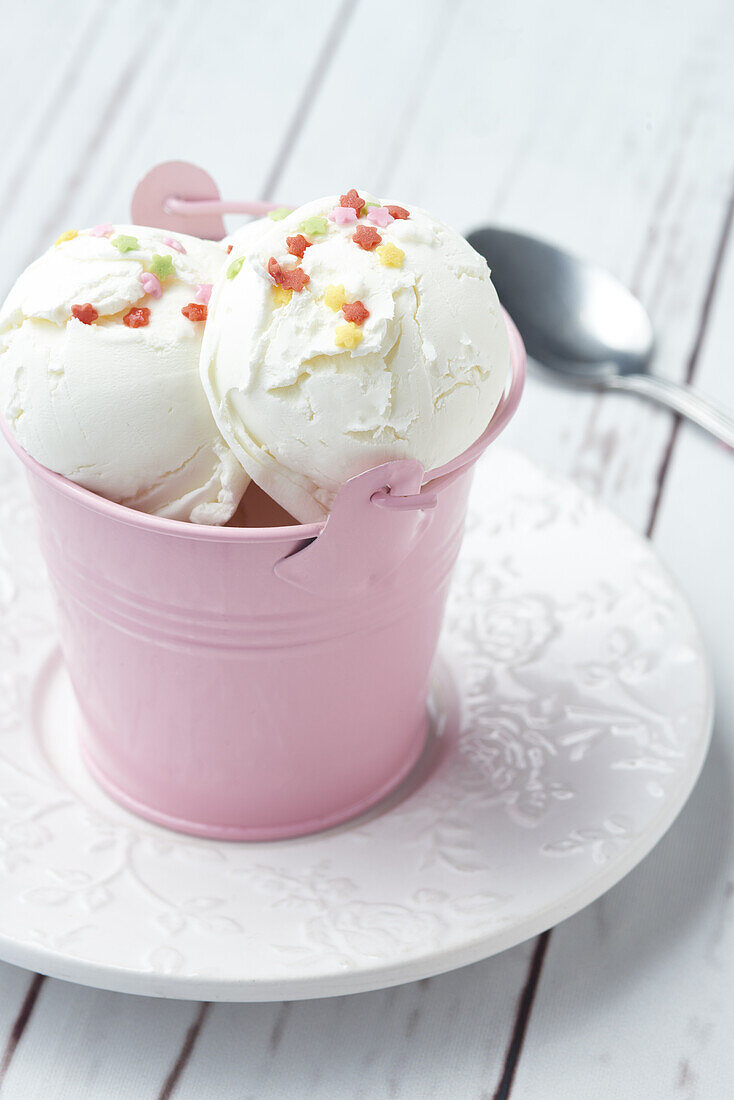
350,333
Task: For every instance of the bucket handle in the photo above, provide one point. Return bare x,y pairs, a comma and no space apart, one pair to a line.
360,546
183,198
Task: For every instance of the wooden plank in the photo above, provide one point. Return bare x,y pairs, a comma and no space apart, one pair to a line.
645,975
59,39
60,42
20,991
156,80
436,1038
87,1043
97,63
229,85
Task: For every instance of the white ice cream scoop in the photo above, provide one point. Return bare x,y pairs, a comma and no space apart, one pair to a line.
347,334
99,378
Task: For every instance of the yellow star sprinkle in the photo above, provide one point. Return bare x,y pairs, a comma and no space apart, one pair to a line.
68,236
390,255
347,336
281,296
335,296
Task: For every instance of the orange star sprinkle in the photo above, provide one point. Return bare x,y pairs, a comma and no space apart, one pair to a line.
367,237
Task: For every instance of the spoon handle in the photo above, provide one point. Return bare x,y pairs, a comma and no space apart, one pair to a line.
682,399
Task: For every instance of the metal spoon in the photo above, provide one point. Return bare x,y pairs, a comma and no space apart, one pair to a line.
580,322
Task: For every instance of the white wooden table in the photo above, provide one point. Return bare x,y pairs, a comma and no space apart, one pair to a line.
607,127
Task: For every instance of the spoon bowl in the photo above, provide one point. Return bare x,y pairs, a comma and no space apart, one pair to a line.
583,325
575,318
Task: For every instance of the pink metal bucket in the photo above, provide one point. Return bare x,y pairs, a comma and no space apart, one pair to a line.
255,683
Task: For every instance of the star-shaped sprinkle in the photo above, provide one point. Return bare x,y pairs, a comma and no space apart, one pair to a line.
297,245
275,271
314,227
355,312
174,244
280,213
104,229
195,311
296,279
229,248
335,296
367,237
162,266
343,215
69,235
390,255
151,284
235,267
137,317
203,292
124,243
353,199
281,296
86,313
398,212
380,215
347,336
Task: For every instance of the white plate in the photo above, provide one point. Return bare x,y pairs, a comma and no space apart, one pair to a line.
572,712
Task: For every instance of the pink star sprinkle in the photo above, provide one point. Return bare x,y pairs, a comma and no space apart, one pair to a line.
380,215
343,215
105,229
175,245
203,292
151,284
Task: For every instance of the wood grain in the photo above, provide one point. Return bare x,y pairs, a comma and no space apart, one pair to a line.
442,1037
34,984
82,1042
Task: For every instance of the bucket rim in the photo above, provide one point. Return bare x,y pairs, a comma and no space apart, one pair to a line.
121,513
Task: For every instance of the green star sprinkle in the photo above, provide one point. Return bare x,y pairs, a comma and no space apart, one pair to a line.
314,227
124,243
162,266
235,267
371,204
280,213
